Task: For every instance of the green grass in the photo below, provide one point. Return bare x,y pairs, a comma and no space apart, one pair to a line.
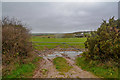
61,64
24,70
53,45
44,71
100,71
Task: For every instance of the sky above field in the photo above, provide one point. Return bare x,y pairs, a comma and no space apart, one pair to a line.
59,17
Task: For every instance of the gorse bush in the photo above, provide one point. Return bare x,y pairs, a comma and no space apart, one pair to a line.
15,42
104,44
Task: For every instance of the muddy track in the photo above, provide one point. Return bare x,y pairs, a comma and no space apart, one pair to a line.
77,72
50,73
48,70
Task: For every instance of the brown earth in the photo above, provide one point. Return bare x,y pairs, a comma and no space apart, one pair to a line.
48,70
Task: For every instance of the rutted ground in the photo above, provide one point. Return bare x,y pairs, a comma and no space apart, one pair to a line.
48,70
77,72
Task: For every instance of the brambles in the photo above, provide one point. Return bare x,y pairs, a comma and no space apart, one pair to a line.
15,42
104,44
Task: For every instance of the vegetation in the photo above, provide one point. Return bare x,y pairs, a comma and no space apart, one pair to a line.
0,37
103,49
97,68
101,56
15,40
62,35
24,70
61,64
77,42
68,35
104,44
16,49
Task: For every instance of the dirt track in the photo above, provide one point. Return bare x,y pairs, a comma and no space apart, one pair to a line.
51,72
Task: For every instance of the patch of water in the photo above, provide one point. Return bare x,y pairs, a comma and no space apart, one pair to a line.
71,54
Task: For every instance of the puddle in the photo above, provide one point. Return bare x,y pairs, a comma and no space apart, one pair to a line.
71,54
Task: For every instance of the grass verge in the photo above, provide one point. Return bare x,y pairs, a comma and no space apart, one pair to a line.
97,69
61,64
24,70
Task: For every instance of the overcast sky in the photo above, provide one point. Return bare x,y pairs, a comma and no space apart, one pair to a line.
58,17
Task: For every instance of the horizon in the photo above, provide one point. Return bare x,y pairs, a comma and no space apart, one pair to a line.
63,32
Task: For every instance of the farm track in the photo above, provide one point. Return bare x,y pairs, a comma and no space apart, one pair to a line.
48,70
74,72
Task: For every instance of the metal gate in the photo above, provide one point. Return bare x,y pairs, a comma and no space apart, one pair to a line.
49,47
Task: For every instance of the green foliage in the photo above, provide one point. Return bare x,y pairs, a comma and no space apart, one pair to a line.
61,64
100,70
24,70
44,71
104,44
21,71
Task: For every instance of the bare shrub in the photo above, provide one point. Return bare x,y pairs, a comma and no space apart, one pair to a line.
15,42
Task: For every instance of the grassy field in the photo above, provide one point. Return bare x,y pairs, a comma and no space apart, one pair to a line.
76,42
97,69
61,64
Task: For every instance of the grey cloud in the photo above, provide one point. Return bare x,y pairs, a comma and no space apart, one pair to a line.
61,17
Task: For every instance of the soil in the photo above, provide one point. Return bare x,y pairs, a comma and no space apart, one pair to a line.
48,70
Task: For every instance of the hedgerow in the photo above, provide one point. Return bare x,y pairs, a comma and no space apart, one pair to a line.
15,43
104,44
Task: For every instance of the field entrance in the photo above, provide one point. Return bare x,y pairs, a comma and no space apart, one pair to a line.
52,47
59,57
